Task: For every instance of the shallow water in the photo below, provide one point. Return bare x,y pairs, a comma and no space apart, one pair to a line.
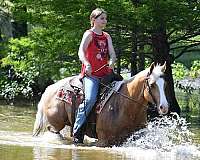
166,139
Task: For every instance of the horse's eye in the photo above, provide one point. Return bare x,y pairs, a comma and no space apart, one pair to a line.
151,85
163,76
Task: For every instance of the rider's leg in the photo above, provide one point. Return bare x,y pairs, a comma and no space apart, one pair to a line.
91,86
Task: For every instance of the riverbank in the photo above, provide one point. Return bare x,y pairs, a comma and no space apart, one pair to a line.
19,101
187,85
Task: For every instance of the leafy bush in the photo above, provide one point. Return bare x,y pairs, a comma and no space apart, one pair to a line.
179,71
35,62
195,69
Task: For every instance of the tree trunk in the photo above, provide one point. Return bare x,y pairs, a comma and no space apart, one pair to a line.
141,61
134,55
20,27
118,53
5,26
161,54
118,49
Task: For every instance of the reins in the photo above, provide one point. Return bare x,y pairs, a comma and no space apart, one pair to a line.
121,94
132,99
125,96
150,91
151,94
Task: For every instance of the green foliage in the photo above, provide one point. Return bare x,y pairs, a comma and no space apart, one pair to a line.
195,69
11,89
179,71
56,27
20,59
37,59
189,101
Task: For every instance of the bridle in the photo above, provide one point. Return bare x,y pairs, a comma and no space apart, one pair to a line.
150,91
151,94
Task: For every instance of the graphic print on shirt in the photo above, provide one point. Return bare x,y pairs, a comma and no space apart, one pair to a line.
102,49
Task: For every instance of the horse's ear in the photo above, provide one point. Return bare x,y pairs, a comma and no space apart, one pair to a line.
163,67
151,68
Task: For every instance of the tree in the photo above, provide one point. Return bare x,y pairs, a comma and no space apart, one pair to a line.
170,23
142,31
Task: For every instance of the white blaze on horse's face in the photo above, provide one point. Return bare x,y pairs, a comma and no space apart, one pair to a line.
156,78
163,104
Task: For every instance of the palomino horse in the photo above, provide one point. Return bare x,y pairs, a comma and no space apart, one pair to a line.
124,113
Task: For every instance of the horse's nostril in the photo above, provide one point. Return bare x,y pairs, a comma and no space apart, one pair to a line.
163,110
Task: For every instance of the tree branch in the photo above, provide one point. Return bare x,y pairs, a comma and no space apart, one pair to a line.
170,33
185,37
185,49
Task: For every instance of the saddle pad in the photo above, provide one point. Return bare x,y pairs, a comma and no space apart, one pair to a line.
66,92
64,95
115,86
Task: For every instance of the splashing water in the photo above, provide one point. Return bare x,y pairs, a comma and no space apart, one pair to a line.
162,133
167,136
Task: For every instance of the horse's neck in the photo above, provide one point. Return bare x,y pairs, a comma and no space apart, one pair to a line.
136,87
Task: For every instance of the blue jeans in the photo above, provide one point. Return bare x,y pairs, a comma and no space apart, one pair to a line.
91,87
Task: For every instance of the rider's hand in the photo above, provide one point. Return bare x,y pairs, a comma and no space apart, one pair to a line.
111,64
88,69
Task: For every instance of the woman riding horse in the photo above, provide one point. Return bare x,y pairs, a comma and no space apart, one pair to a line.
124,112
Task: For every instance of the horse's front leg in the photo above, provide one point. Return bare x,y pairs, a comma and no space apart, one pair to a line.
106,139
102,141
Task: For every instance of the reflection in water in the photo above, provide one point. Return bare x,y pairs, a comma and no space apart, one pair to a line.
12,152
49,153
75,153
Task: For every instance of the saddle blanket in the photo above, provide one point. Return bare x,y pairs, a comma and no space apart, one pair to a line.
65,94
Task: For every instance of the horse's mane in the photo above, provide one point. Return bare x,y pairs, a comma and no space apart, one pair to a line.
141,73
157,72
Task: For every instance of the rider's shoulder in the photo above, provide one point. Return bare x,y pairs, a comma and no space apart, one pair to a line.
87,34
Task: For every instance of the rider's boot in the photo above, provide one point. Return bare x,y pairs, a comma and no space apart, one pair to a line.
79,136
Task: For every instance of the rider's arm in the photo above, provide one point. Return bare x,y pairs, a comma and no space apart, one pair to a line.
111,52
87,37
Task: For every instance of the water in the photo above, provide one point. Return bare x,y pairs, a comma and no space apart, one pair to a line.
164,139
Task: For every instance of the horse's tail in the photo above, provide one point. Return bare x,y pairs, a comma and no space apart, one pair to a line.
41,120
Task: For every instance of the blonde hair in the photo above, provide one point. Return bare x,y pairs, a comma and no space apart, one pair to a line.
95,14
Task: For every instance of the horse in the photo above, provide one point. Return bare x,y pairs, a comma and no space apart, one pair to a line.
124,113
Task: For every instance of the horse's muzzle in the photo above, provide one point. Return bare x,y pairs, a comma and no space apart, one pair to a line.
163,110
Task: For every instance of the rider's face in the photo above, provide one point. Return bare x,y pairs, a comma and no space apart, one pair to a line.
101,21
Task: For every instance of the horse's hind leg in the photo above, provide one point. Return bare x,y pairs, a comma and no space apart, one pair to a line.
52,129
56,117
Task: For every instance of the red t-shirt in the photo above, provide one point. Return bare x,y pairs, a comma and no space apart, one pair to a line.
97,55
